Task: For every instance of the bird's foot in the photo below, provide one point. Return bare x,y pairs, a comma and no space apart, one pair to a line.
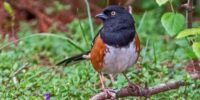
134,87
110,93
142,91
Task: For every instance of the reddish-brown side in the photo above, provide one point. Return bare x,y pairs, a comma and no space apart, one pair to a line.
97,53
137,43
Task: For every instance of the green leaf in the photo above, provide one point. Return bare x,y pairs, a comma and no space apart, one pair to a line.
188,32
173,22
8,7
161,2
196,48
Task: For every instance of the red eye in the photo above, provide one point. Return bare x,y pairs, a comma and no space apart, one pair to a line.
113,13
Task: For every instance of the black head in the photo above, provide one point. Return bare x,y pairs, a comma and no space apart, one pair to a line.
114,12
118,29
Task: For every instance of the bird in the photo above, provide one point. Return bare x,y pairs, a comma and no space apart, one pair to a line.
116,46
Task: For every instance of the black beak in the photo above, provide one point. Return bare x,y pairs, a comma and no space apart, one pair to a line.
101,16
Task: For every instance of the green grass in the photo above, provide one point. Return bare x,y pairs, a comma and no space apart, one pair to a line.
42,51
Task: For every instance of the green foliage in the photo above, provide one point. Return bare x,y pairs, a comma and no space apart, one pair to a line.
195,32
147,21
59,6
196,48
161,2
173,22
188,32
161,62
81,30
48,35
77,81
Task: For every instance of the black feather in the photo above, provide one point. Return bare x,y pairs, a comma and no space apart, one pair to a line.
118,30
75,58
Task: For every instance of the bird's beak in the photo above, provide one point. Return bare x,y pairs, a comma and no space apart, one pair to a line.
101,16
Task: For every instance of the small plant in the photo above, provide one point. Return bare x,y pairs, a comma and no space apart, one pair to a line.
192,34
174,23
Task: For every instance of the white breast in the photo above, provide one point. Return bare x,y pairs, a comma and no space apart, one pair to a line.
118,60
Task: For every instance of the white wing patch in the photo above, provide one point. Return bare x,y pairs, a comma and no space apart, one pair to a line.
118,60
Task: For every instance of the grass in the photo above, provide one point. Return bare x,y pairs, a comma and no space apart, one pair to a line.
159,59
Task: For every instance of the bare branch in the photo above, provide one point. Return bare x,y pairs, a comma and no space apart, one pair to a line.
19,70
129,2
189,13
188,6
145,92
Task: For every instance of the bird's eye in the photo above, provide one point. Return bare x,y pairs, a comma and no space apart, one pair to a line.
113,13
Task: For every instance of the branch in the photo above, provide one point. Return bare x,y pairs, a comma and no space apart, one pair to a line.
145,92
189,13
188,6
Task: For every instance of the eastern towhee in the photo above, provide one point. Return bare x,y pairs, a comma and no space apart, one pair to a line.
116,47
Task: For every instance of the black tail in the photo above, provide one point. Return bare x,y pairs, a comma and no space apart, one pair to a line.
75,58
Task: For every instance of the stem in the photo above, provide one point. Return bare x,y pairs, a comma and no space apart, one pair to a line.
145,50
83,31
188,6
90,19
19,70
189,13
154,53
12,25
142,21
171,5
174,52
84,34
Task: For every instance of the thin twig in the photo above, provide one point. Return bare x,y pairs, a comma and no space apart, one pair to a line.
171,5
19,70
188,6
13,76
189,13
129,2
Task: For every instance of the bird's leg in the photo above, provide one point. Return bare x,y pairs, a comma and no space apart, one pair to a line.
129,81
131,84
112,78
109,92
102,80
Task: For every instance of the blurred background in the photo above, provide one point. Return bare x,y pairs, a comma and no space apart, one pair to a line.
43,15
36,34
